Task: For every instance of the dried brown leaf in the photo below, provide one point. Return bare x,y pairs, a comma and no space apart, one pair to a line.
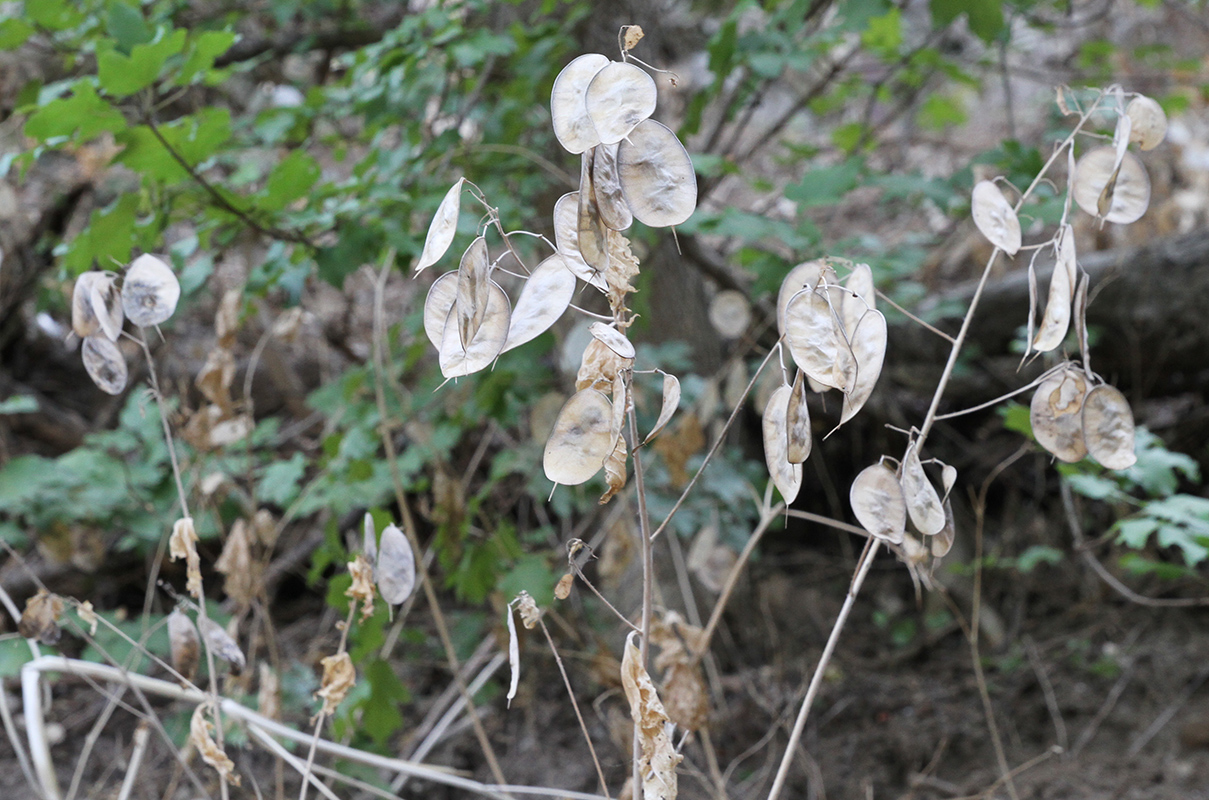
243,573
562,589
268,696
183,544
362,588
40,618
207,748
600,366
657,764
88,616
338,678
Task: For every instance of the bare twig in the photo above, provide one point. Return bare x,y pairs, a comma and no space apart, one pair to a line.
604,787
142,735
1047,690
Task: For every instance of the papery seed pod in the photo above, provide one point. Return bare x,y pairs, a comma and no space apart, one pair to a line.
1108,428
396,566
457,359
923,502
581,440
566,238
546,295
797,423
657,176
671,400
222,644
1149,126
568,109
606,183
612,338
785,476
1056,414
184,644
105,364
1115,194
474,290
84,322
618,98
440,300
562,590
150,291
442,228
868,344
107,305
878,502
995,217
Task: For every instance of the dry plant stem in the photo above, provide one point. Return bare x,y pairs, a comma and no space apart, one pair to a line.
816,680
302,768
717,443
1047,691
409,525
6,714
604,787
605,600
648,575
889,300
322,715
142,734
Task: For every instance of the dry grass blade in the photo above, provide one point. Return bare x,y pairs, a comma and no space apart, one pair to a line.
785,476
545,297
657,176
150,291
581,440
568,109
878,502
442,228
618,98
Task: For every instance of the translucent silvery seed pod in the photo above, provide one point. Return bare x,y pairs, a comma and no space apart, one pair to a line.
150,291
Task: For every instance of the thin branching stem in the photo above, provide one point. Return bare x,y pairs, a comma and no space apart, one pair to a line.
604,787
648,571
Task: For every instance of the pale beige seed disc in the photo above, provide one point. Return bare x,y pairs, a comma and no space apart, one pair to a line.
105,364
107,306
487,343
395,567
606,182
1149,122
785,476
1056,414
671,400
878,502
942,542
545,297
441,296
860,297
804,276
84,322
995,217
612,338
730,313
593,238
150,291
1123,200
869,342
797,423
474,289
1108,427
812,335
619,97
923,502
1056,321
442,228
568,110
581,439
566,239
657,176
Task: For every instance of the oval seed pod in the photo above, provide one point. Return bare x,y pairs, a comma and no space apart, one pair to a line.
923,503
1108,427
474,289
592,236
581,440
671,400
785,476
222,644
797,423
184,644
803,276
1149,122
457,361
395,568
107,306
606,182
878,502
84,322
1116,195
812,335
369,539
1056,320
619,97
869,342
568,109
442,228
860,297
545,297
105,364
612,338
441,296
657,176
566,239
995,217
1056,414
150,291
942,542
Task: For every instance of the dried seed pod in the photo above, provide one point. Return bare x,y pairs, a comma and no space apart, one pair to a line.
942,542
222,644
1108,427
566,238
150,291
184,644
568,109
442,228
84,322
618,98
803,276
474,290
612,338
488,341
995,217
923,503
581,440
671,400
395,570
868,345
657,176
606,183
878,502
860,297
369,540
40,618
562,590
1149,122
1056,414
1116,194
813,336
106,304
105,364
1056,321
785,476
592,235
797,423
514,656
543,300
441,296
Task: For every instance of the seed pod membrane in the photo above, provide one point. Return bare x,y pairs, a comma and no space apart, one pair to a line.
942,542
1108,427
581,440
474,289
1056,414
797,423
105,364
671,400
456,360
442,228
395,570
606,183
612,338
785,476
1105,191
545,297
656,176
441,296
1149,126
568,109
618,98
878,502
150,291
869,342
566,238
803,276
184,644
995,217
1056,321
813,336
593,238
923,503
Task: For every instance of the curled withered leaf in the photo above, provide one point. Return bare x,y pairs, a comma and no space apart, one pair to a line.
150,291
868,345
1149,126
84,322
562,589
183,644
107,305
612,338
183,544
566,239
442,228
215,378
441,296
610,202
222,644
527,608
568,109
339,677
671,400
457,360
474,290
1108,427
514,656
923,503
803,276
797,423
632,36
1114,194
362,588
396,568
813,336
878,502
1056,321
581,440
105,364
40,618
785,476
995,217
657,176
942,542
88,615
600,365
543,300
658,760
619,97
207,748
1056,414
590,228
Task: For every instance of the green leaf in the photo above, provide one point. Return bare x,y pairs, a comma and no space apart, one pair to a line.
202,52
195,138
127,26
279,483
381,718
13,33
1038,554
55,15
110,237
939,112
1095,487
985,16
827,185
532,574
19,404
885,33
83,115
358,244
1136,532
291,179
122,76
